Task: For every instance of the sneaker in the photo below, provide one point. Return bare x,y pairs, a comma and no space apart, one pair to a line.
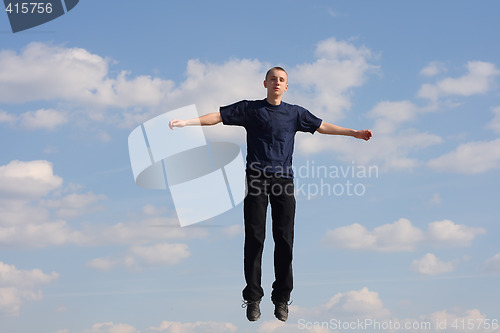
281,310
253,309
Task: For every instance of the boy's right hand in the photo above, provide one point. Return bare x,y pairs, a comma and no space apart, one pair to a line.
176,123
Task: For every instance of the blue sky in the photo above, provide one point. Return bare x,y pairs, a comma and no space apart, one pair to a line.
85,250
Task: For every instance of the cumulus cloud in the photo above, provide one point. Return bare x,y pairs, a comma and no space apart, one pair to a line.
436,199
391,145
395,141
398,236
447,233
25,219
449,318
196,327
433,68
326,84
234,230
492,265
31,235
74,204
469,158
350,306
137,257
45,72
429,264
495,122
6,117
166,327
479,79
47,119
27,180
18,286
143,230
34,209
362,303
401,236
48,72
110,327
390,115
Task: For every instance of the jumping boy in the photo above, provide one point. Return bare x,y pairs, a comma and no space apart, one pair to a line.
271,126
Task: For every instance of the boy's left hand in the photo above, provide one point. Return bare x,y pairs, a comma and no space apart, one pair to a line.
364,134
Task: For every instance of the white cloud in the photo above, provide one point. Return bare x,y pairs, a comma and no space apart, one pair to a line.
436,199
326,84
45,72
152,210
164,254
103,264
166,327
390,115
33,235
275,326
469,158
459,321
492,265
74,204
6,117
145,231
401,236
398,236
48,72
448,233
18,286
195,327
432,69
110,327
393,144
27,180
42,119
429,264
29,202
24,220
361,303
478,80
234,230
495,122
29,223
390,144
342,307
137,257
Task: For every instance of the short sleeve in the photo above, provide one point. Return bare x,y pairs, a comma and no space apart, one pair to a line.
234,114
307,122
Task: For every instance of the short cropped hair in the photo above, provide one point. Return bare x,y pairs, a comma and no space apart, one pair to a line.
277,68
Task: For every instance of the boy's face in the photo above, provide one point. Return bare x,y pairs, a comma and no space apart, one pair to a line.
276,82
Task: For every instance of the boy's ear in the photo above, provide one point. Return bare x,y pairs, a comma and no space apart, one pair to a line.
265,84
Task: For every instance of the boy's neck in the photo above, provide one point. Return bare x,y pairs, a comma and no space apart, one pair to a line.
274,100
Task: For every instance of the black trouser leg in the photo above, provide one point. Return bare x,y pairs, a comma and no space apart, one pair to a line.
282,200
255,209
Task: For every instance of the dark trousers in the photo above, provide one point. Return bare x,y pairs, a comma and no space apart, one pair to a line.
279,191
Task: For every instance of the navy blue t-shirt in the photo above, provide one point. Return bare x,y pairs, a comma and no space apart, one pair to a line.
270,132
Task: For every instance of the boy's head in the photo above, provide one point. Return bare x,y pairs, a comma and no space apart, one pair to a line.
278,69
276,82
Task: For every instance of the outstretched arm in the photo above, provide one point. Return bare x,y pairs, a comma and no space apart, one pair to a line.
206,120
331,129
